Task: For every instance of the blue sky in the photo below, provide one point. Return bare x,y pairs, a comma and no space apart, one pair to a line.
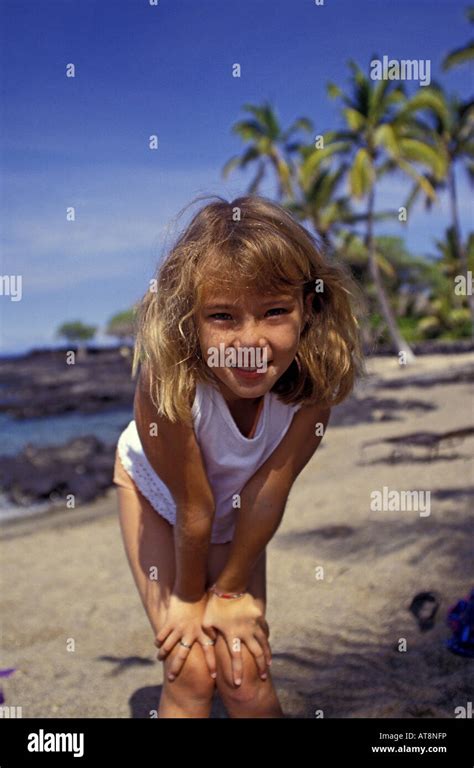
167,70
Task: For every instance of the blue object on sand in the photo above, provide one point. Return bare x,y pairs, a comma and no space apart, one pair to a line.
5,673
461,620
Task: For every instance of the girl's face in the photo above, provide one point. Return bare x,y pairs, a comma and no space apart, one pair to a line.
267,330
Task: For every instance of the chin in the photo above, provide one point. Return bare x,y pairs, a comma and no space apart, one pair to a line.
251,387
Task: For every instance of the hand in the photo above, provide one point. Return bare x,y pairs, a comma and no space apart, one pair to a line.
240,620
184,622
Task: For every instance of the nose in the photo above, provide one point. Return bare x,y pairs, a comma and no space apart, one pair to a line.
249,335
250,338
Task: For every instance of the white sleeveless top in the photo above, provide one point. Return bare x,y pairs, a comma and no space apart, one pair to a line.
229,457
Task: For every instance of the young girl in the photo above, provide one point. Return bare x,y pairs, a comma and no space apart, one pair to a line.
246,339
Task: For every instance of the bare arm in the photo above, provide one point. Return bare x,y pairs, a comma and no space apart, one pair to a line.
174,454
263,498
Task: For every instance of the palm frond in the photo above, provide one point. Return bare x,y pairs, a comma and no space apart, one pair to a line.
459,56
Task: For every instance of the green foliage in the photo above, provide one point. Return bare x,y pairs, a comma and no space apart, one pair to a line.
429,327
465,52
76,330
122,325
409,328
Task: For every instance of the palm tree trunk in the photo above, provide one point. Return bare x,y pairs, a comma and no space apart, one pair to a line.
458,242
399,343
284,184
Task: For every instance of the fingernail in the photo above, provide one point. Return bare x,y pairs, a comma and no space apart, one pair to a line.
213,674
238,681
270,663
264,677
170,677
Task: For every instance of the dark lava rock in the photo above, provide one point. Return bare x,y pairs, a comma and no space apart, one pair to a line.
42,383
83,467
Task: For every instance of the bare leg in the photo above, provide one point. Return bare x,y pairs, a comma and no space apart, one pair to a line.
149,546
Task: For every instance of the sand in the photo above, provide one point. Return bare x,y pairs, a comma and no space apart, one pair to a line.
73,626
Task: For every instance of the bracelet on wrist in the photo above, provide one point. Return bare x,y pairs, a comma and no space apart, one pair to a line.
226,595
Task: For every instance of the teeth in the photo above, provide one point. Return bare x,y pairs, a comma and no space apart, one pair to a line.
247,370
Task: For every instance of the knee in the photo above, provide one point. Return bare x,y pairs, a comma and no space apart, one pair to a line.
252,687
194,678
250,691
247,697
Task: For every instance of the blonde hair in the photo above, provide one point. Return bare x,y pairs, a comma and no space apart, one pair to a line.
250,241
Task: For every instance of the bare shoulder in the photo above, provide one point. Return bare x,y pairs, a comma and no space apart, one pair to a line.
143,397
311,414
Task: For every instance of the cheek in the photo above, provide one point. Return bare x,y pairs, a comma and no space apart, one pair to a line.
286,340
210,337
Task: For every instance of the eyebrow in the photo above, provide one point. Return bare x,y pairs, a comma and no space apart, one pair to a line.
266,302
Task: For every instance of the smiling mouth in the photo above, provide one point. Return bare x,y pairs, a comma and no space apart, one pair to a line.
240,368
255,368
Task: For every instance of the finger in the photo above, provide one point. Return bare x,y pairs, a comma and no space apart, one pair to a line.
209,654
178,659
162,634
257,652
234,645
262,638
266,627
210,632
169,644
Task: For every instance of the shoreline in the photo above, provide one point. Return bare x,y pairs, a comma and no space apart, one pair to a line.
57,517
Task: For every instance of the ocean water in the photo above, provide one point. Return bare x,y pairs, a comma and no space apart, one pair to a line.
55,430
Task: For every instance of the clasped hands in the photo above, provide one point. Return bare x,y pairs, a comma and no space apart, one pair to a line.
238,620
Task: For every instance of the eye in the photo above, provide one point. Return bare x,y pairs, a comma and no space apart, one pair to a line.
224,316
219,315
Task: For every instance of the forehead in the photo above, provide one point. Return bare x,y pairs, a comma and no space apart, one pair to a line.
244,295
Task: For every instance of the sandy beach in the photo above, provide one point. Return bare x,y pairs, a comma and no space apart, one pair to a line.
74,628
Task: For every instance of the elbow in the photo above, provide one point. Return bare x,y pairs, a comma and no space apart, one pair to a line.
195,514
194,522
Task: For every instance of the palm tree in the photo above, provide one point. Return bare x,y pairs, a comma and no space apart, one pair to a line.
268,144
451,123
319,198
446,313
466,52
319,204
382,135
